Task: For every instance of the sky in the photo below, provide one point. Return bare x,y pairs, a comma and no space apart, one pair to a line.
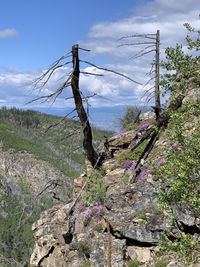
34,33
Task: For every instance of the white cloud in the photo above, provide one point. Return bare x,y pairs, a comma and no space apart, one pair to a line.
168,16
103,36
7,33
17,88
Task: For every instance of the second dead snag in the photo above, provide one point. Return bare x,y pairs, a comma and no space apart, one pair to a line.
152,133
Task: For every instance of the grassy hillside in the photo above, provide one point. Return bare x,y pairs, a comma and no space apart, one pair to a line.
60,146
49,138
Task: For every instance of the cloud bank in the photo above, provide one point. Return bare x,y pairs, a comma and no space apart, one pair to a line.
168,16
8,33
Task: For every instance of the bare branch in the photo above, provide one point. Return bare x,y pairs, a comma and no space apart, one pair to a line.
50,72
151,69
65,85
56,124
141,51
54,94
147,36
89,96
150,97
52,67
148,90
84,49
75,132
90,73
66,55
133,44
152,78
145,53
109,70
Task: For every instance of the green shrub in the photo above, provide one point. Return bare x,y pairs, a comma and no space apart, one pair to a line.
19,117
130,118
18,213
181,169
133,263
132,155
186,248
86,264
96,191
186,65
15,230
84,247
160,263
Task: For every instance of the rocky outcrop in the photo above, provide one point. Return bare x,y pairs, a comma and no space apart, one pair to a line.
127,226
21,168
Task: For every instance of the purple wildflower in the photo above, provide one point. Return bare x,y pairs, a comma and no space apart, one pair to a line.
143,174
88,214
81,208
160,162
97,209
129,164
133,165
143,126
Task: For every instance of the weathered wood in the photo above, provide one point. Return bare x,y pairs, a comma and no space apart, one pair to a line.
140,137
153,132
157,76
87,133
148,148
161,122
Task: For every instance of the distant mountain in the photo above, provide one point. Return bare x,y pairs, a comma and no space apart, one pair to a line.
107,118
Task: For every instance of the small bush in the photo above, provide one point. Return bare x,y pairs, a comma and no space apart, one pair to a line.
86,264
84,247
133,263
96,191
160,263
187,248
181,166
132,155
131,117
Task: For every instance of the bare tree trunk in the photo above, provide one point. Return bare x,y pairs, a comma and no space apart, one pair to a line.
87,133
157,74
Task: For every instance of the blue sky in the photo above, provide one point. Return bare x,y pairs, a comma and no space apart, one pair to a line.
33,33
47,28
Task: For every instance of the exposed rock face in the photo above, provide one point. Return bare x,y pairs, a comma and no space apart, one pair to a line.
128,226
136,227
38,175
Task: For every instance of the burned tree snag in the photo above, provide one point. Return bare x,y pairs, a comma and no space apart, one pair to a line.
72,80
152,133
149,43
157,74
87,132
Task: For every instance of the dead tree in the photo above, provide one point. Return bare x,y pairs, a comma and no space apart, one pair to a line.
153,132
151,43
157,73
87,132
72,80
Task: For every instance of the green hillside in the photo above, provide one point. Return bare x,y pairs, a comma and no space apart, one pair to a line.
38,149
47,137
